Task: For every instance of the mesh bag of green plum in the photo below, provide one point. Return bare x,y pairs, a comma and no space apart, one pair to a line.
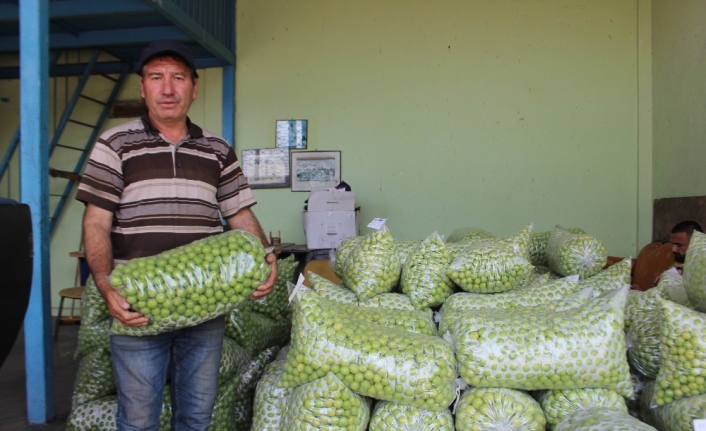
387,361
192,283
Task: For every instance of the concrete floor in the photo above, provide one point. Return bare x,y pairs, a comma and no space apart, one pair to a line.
13,410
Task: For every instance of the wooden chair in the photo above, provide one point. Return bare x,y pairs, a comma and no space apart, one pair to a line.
73,293
654,259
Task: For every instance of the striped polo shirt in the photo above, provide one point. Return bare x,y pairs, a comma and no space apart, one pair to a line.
162,195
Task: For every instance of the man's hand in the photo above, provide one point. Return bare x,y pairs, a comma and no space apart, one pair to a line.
245,220
99,253
265,288
119,309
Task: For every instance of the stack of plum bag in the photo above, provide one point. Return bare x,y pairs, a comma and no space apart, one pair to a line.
180,288
474,332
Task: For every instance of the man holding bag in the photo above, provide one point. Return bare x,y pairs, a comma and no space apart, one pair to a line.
151,185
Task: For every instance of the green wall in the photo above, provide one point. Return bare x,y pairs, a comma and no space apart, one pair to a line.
452,114
448,114
679,73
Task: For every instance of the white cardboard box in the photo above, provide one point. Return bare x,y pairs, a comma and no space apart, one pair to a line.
331,218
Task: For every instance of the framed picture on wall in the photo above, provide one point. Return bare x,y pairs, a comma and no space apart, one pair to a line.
315,170
266,168
291,134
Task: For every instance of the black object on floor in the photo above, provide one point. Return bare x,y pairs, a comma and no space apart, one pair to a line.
16,269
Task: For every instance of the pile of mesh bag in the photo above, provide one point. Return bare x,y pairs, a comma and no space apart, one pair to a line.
504,330
256,329
465,332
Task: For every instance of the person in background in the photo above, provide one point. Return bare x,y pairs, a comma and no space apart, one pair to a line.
680,238
151,185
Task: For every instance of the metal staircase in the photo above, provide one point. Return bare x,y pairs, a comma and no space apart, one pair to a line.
74,136
15,141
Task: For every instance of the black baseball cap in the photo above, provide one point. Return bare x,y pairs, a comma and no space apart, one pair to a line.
167,46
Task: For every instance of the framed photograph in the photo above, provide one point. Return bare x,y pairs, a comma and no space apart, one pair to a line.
315,170
266,168
291,134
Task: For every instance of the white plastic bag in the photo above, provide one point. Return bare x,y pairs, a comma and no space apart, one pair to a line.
100,414
538,246
683,340
558,404
695,271
340,293
94,379
534,348
498,409
643,341
326,404
405,249
468,234
677,416
600,419
569,253
613,277
192,283
424,277
524,297
388,416
486,267
342,252
671,285
373,266
384,363
270,400
254,331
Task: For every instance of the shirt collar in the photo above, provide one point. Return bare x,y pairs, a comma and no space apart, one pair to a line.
193,130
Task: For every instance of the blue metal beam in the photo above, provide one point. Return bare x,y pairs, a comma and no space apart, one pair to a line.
34,191
102,68
228,102
80,8
115,37
191,27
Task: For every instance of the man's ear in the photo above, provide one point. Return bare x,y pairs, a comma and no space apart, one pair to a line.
196,89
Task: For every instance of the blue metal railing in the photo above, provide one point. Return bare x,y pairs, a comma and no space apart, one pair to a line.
16,137
9,153
85,151
73,101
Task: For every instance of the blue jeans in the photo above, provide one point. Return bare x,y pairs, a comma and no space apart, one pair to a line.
141,365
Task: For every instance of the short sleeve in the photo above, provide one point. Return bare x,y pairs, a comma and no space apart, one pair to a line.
102,181
234,192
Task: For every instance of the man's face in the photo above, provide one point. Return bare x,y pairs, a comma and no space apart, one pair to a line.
680,243
168,90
